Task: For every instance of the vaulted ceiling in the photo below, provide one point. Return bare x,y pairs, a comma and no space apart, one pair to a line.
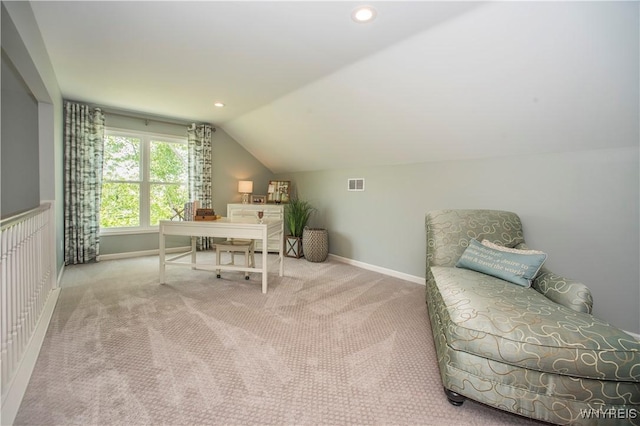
307,88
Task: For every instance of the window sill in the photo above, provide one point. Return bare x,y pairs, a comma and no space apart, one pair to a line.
128,231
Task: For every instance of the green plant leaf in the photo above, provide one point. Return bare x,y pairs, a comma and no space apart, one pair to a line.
298,213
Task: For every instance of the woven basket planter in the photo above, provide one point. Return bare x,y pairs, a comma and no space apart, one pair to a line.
315,244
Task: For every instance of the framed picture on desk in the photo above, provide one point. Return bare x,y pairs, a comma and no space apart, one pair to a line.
258,199
278,191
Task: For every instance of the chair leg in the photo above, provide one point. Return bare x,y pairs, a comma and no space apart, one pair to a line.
217,263
249,258
252,253
246,264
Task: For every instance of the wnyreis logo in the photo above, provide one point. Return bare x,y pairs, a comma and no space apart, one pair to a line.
609,413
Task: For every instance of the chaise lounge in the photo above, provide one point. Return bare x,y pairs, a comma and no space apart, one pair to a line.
531,350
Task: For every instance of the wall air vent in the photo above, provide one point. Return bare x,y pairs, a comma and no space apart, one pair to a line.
355,184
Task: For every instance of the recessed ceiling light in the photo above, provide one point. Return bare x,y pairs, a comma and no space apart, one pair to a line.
363,14
218,104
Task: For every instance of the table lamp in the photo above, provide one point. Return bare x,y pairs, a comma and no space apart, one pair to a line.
245,187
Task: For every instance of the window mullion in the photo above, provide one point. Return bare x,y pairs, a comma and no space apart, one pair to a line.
145,191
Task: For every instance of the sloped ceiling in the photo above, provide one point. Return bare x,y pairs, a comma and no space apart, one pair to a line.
308,89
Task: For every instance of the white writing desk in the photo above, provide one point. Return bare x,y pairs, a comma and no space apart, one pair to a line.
244,228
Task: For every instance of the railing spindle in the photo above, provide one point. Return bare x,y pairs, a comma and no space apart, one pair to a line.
27,277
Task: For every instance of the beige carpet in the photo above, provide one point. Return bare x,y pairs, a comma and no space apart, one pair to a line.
328,344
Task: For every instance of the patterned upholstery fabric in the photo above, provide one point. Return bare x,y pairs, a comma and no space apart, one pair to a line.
567,292
515,349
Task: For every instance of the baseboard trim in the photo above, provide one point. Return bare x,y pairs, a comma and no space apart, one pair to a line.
60,274
363,265
129,254
385,271
407,277
18,385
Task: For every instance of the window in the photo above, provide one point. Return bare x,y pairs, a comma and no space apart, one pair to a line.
144,180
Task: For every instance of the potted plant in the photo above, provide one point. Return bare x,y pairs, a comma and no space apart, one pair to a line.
297,214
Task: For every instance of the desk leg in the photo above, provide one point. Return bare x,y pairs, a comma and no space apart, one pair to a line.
162,254
193,252
265,267
281,253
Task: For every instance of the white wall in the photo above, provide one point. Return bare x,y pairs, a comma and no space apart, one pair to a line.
582,208
505,78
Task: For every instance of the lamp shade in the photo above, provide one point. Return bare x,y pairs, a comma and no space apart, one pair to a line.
245,186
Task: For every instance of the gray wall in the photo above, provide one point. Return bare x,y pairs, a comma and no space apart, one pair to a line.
23,46
582,208
19,149
231,163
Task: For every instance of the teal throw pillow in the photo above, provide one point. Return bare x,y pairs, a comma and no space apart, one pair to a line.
516,266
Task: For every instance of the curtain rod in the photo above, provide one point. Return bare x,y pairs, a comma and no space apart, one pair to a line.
141,116
146,119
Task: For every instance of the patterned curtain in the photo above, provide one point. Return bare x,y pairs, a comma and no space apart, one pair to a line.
83,153
199,142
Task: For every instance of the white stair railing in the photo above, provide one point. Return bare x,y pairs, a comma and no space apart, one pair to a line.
27,278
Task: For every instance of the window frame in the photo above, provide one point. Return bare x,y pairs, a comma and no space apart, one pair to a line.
144,211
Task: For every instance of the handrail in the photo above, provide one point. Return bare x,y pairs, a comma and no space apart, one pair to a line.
11,220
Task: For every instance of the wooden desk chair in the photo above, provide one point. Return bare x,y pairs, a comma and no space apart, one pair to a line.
234,246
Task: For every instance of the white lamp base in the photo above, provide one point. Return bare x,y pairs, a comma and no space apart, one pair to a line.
245,198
